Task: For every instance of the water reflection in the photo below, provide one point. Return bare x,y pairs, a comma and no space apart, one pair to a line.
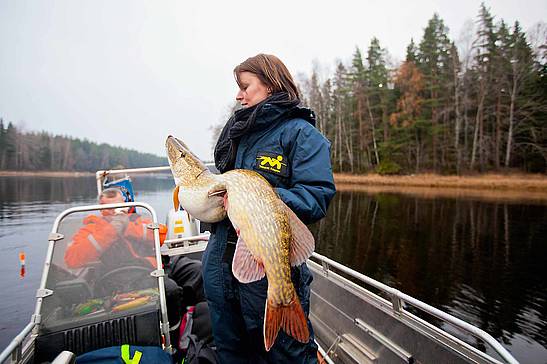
481,261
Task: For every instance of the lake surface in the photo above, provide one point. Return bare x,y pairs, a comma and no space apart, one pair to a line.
482,260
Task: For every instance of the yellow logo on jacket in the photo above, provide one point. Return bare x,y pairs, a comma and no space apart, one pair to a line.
274,163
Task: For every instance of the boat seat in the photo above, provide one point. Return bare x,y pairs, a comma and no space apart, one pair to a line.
74,291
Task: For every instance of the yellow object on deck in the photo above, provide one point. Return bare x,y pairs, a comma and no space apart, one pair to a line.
126,355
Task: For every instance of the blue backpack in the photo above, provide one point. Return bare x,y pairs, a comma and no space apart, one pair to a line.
126,354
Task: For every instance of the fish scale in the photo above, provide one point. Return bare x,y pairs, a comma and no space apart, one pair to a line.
250,204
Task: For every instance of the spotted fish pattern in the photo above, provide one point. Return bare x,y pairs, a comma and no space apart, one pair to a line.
271,237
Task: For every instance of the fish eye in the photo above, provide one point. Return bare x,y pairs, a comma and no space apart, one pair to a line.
182,154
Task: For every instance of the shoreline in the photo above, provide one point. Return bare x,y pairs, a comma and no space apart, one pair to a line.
487,195
488,181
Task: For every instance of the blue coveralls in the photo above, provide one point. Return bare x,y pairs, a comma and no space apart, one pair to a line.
304,182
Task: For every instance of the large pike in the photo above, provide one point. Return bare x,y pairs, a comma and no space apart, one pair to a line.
271,236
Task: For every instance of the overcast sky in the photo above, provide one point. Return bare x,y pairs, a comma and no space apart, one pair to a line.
131,72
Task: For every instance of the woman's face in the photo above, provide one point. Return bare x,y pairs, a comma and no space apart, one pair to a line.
252,90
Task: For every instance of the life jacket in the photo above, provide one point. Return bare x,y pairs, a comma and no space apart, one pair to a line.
99,240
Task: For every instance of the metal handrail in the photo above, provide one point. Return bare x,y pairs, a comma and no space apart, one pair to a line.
462,325
201,237
324,354
99,175
16,342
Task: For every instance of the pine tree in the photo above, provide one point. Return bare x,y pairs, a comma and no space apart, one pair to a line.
365,136
524,99
457,81
10,147
433,62
377,79
411,52
486,50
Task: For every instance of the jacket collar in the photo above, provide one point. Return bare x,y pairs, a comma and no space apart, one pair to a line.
271,113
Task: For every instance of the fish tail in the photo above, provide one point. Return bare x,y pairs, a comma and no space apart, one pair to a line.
290,317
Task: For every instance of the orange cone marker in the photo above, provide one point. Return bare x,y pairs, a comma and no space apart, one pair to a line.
22,261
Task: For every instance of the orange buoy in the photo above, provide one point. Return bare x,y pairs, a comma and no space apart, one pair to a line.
22,271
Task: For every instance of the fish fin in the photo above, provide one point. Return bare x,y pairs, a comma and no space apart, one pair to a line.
245,266
225,203
303,242
291,318
176,202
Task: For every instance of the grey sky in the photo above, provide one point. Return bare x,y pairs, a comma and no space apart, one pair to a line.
131,72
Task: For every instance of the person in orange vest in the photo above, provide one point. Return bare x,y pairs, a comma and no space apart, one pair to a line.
116,238
119,238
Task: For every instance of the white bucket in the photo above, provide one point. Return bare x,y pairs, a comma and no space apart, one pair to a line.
181,225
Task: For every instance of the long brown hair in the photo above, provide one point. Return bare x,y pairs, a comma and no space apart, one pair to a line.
271,72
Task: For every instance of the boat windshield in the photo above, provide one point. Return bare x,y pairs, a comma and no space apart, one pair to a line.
101,269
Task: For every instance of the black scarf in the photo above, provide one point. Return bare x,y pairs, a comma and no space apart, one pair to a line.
241,123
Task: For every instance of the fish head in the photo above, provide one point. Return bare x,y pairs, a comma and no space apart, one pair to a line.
186,167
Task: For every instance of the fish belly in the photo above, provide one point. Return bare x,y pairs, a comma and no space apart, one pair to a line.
257,212
260,217
198,204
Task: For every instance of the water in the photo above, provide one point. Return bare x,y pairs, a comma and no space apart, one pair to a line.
480,259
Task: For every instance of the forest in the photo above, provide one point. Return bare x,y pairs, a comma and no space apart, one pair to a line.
476,106
30,151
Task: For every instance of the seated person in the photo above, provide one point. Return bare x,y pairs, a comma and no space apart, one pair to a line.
118,238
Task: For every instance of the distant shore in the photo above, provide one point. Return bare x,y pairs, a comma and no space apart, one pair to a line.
521,182
514,188
489,181
45,174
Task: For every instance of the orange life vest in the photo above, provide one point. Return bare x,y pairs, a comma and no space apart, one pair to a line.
99,240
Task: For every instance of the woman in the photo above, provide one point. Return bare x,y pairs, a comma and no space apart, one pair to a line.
274,137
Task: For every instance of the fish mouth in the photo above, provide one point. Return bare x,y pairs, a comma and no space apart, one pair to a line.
182,159
175,147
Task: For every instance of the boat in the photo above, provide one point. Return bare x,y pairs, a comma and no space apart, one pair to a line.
356,319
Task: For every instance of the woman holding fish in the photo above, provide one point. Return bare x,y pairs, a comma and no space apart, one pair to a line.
274,137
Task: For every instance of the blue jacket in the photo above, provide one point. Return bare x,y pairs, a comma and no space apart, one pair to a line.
295,158
304,181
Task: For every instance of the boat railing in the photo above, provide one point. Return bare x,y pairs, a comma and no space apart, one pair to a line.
16,348
102,174
398,301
